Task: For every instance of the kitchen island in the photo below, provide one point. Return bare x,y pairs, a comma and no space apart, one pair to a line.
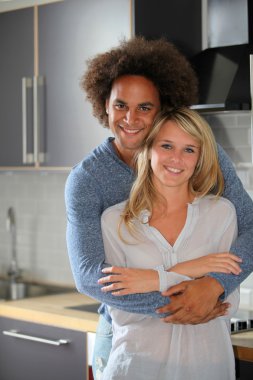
78,312
53,310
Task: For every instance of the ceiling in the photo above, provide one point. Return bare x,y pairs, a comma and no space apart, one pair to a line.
9,5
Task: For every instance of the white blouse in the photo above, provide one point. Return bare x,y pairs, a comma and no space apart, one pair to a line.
145,348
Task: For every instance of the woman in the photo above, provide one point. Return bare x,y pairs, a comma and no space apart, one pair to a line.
170,219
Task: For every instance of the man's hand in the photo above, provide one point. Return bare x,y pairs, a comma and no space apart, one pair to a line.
194,302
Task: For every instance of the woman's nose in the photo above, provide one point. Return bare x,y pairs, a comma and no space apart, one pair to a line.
175,156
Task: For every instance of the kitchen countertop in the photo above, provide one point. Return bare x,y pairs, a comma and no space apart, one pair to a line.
243,345
55,310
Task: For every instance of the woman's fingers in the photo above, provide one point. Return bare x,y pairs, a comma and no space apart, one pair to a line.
225,262
110,278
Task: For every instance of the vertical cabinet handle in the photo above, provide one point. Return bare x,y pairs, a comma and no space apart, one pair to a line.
27,158
251,98
16,334
35,120
38,83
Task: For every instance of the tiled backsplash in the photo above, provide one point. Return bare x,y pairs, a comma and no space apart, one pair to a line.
38,201
233,132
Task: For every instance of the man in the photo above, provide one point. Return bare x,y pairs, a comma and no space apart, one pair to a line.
127,87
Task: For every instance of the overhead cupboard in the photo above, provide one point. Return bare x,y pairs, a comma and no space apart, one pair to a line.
45,120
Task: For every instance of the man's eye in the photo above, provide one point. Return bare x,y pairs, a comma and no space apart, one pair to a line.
119,106
144,108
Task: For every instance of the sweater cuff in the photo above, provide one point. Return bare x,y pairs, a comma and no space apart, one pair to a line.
163,285
168,279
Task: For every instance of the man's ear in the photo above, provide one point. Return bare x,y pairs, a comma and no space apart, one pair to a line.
107,106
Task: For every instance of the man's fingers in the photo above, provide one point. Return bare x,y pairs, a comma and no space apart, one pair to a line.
174,290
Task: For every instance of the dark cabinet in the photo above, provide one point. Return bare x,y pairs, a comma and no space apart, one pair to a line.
69,32
179,21
244,370
17,61
31,351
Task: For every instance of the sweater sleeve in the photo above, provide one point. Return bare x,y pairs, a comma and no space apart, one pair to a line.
243,246
84,208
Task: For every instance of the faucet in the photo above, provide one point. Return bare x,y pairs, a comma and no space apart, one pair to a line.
13,272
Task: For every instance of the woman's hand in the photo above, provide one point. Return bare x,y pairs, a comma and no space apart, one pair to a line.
215,262
122,281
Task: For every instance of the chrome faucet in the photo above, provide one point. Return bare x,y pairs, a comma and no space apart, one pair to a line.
13,272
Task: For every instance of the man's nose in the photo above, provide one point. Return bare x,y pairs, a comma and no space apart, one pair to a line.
130,116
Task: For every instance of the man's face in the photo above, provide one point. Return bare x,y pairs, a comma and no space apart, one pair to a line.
132,105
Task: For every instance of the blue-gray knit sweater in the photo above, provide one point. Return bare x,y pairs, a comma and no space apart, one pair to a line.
102,180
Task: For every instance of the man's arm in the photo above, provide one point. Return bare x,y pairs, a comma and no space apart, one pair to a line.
84,207
243,246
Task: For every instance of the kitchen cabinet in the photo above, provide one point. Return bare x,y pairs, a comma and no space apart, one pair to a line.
34,351
65,34
16,45
244,370
180,21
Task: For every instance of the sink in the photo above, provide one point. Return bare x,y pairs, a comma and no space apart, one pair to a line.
90,308
18,290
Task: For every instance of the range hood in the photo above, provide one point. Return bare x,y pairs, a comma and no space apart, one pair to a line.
224,77
224,68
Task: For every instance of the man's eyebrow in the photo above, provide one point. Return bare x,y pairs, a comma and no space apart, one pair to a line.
119,101
143,104
146,104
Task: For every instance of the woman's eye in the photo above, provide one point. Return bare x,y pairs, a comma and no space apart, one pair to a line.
189,150
166,146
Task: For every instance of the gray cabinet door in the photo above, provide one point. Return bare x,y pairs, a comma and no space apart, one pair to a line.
70,32
23,359
16,49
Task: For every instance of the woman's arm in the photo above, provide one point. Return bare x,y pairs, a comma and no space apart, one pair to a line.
121,281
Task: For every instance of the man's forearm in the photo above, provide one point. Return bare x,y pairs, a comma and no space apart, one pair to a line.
230,282
243,246
87,265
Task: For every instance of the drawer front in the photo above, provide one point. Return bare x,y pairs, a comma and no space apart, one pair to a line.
31,351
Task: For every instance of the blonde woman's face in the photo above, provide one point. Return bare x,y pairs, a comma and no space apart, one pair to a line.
174,156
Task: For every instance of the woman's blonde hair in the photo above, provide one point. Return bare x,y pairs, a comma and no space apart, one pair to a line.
207,177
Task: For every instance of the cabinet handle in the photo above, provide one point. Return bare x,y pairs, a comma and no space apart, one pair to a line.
251,76
16,334
38,83
251,97
27,158
35,120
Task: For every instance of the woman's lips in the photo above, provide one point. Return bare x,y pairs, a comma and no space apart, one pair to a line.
173,170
